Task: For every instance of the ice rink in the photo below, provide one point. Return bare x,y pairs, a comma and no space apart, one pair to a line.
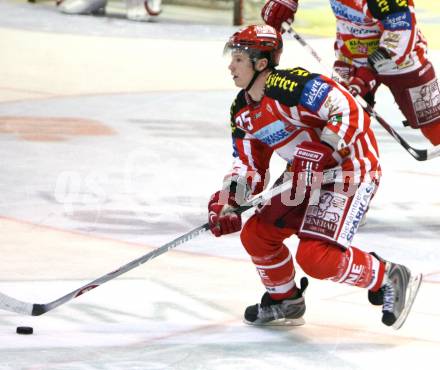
113,135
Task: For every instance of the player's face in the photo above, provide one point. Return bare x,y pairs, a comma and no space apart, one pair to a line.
241,69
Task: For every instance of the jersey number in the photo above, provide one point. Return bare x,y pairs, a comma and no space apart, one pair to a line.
244,121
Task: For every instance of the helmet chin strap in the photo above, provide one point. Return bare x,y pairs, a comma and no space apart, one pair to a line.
255,76
251,83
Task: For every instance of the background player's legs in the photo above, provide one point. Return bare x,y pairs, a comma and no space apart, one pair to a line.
418,96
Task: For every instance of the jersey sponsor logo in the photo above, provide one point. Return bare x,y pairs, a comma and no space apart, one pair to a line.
284,82
314,93
263,274
323,219
273,133
355,30
355,274
286,85
308,154
391,40
398,21
385,6
358,208
359,46
426,102
380,8
345,12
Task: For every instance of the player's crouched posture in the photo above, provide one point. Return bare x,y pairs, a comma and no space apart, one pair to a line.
325,137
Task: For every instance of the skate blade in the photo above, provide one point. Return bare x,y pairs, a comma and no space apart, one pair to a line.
414,286
280,322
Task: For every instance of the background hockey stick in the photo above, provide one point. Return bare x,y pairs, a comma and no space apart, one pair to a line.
35,309
419,154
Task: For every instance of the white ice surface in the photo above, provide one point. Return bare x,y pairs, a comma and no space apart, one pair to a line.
72,210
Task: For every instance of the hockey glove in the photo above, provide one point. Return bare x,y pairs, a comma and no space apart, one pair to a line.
275,12
309,160
381,61
363,81
342,72
222,220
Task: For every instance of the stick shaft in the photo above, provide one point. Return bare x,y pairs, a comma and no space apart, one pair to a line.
35,309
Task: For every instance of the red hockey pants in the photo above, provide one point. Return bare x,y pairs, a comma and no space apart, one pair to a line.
319,259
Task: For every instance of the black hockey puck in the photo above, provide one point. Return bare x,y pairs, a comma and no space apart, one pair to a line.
24,330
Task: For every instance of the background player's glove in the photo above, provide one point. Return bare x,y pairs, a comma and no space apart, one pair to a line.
363,81
309,160
221,218
342,72
381,61
275,12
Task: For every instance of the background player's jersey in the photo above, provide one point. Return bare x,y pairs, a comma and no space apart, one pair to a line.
297,106
364,25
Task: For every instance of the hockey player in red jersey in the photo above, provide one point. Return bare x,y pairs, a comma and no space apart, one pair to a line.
324,136
379,42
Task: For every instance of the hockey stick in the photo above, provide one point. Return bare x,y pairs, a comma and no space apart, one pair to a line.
35,309
419,154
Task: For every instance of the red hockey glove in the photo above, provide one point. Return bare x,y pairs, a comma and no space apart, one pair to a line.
275,12
363,81
342,72
221,220
309,160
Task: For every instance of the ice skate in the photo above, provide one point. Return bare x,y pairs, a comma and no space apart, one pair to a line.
288,311
399,292
143,10
82,6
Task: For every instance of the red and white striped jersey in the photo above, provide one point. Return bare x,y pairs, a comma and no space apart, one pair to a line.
364,25
300,106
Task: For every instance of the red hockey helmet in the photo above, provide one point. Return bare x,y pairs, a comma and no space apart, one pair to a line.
258,42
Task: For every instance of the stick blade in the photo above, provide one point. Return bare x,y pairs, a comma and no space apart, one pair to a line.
15,305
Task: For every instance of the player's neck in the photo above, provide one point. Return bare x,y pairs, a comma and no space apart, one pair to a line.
256,92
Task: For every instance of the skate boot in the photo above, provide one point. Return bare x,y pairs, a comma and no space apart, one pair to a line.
143,10
82,6
399,291
288,311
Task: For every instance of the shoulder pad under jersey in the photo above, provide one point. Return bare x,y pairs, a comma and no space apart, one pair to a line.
237,105
380,9
286,85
